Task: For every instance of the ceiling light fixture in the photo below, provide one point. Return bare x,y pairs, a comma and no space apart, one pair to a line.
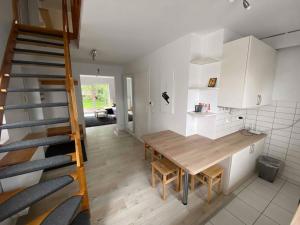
93,53
246,5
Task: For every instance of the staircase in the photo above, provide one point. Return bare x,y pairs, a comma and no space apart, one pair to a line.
74,210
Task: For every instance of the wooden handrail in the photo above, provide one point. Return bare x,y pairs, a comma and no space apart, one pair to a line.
15,9
70,86
7,65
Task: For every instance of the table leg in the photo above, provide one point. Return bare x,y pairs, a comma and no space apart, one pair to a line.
185,188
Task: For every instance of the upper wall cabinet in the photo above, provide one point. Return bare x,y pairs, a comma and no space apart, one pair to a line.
247,74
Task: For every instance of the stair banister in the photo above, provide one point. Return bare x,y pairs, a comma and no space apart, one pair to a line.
73,107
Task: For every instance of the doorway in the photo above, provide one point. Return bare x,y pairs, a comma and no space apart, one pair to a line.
129,109
99,100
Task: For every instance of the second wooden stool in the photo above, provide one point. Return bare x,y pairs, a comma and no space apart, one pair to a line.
154,155
166,172
211,177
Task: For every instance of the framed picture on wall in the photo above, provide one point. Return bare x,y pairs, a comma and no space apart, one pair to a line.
212,82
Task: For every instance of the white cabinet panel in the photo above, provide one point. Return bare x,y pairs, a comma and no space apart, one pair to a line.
247,75
239,167
234,65
243,164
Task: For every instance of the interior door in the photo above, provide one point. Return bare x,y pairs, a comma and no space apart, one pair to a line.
141,103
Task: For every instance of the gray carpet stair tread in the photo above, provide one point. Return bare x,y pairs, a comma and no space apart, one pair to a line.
64,213
35,165
39,42
38,52
37,63
36,90
24,75
30,106
44,33
83,218
34,123
32,195
59,139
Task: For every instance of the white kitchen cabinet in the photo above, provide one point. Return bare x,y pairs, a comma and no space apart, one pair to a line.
247,75
242,165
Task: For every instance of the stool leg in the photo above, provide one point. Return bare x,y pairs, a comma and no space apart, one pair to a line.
145,151
153,177
220,184
192,182
152,155
164,187
178,180
209,190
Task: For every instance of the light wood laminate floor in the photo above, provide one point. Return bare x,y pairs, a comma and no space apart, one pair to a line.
119,187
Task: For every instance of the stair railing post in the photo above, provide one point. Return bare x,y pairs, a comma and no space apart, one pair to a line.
15,8
73,109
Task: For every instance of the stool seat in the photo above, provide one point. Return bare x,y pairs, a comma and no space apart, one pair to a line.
211,176
213,171
164,166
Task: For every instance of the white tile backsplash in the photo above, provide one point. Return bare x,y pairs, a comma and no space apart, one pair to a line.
283,141
228,122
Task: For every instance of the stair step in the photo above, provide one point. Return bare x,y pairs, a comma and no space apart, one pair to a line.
31,195
83,218
34,90
34,123
35,165
64,213
30,106
39,36
47,76
35,30
37,52
34,143
40,43
55,82
34,63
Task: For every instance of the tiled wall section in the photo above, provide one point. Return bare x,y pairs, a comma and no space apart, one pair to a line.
228,122
283,141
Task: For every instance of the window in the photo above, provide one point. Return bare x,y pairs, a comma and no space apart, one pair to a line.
96,96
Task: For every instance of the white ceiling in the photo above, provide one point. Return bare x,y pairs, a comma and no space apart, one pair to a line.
123,30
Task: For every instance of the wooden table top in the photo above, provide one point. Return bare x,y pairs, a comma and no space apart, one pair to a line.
197,153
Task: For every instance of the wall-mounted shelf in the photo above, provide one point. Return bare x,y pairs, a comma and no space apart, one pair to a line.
204,88
204,60
199,114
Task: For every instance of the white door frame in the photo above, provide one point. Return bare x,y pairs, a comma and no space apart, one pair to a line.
126,106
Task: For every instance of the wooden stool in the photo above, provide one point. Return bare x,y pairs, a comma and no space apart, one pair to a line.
211,177
154,154
166,172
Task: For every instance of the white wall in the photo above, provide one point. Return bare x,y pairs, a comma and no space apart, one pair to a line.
148,73
16,98
287,80
5,24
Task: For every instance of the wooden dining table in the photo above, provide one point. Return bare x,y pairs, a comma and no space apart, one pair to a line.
195,153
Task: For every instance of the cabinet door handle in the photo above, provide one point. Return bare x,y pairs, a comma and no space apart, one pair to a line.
259,99
251,149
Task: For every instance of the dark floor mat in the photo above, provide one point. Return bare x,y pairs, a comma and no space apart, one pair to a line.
92,121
